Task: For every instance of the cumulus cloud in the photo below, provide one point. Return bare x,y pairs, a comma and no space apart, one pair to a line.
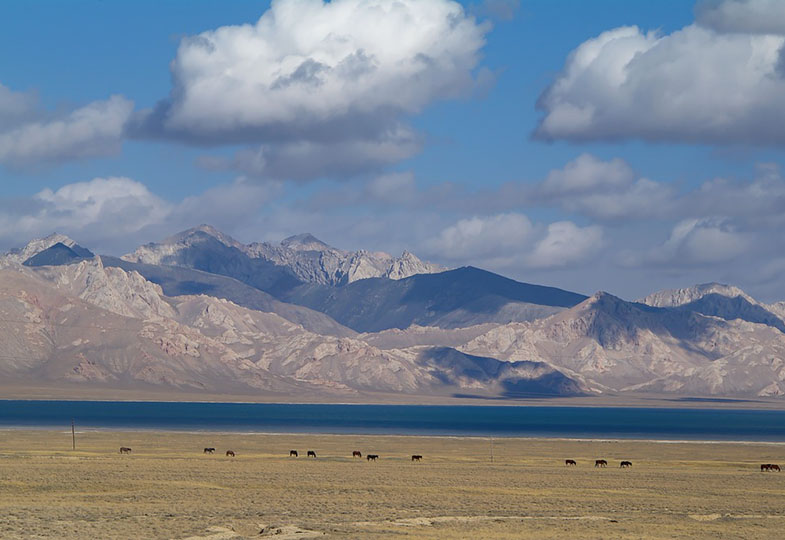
694,242
605,190
506,241
490,236
697,84
742,16
324,86
565,243
115,214
587,173
93,130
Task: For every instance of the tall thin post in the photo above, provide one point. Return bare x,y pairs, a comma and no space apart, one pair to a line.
73,435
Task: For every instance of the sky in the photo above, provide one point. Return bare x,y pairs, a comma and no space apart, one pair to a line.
606,145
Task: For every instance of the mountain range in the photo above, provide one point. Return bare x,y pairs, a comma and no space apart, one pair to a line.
201,313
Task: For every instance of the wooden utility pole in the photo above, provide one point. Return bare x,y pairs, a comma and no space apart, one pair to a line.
73,435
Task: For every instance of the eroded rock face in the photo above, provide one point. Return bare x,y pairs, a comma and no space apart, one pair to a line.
306,257
79,321
613,345
87,324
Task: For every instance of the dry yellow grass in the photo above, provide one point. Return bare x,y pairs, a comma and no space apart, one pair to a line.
168,489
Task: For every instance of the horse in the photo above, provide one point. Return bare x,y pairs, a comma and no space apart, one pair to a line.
600,463
209,450
775,467
372,457
569,462
357,453
230,453
125,450
293,453
311,453
765,467
625,464
416,457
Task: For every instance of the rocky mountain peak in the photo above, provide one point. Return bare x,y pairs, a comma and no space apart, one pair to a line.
305,242
36,246
195,232
687,295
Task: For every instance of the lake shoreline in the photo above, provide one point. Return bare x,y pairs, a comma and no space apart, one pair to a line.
176,432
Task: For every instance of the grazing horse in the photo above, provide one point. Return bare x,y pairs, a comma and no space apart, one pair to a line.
125,450
774,467
765,467
625,464
569,462
311,453
230,453
293,453
209,450
357,453
600,463
372,457
416,457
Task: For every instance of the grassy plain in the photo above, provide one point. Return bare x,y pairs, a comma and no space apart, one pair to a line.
167,488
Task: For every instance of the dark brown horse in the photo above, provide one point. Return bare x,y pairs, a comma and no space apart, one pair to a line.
416,457
357,453
293,453
765,467
625,464
570,462
209,450
775,467
311,453
600,463
125,450
230,453
372,457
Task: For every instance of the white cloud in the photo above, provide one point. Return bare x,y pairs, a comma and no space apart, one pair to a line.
566,243
93,130
604,190
742,16
693,85
325,87
512,241
490,236
308,64
116,214
694,242
587,173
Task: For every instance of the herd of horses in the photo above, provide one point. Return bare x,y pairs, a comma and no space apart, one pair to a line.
626,464
292,453
601,463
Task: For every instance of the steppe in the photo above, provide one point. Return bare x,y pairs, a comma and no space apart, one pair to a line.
464,487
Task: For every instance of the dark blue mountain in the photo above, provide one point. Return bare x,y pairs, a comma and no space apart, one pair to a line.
59,254
451,299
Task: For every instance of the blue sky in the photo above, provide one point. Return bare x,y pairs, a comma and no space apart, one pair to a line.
672,179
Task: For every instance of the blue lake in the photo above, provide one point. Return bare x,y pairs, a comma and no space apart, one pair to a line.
505,421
